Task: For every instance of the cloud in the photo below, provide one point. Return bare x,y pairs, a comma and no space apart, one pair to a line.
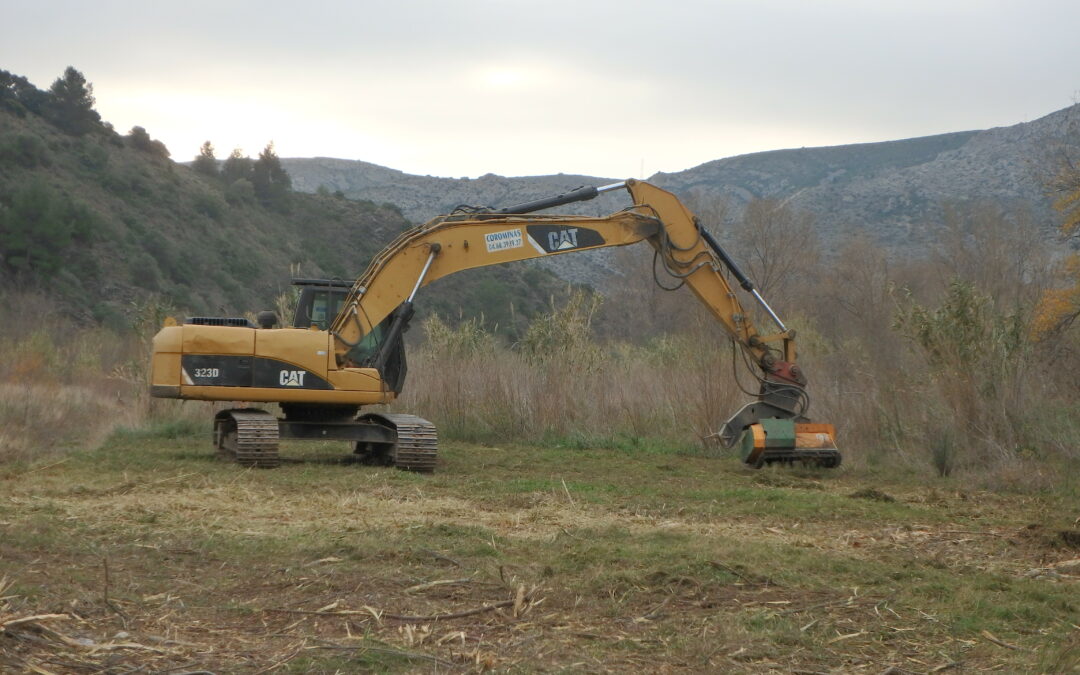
508,86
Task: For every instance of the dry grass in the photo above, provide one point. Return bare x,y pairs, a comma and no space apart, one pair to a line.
953,387
66,385
504,394
39,420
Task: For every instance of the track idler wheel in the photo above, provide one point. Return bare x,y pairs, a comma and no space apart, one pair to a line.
248,437
415,449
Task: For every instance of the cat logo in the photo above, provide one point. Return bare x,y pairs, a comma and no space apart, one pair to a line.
292,378
560,240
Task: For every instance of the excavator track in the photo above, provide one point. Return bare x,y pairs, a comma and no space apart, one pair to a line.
826,458
417,441
250,437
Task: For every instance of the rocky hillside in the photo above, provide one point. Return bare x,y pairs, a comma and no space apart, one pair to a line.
896,190
422,197
893,190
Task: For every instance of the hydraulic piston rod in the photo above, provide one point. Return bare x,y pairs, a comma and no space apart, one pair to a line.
402,315
435,248
743,280
580,194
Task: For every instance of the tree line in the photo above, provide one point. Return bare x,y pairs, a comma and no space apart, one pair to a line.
46,224
245,180
69,106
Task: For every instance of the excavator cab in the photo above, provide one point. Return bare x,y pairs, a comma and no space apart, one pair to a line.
320,301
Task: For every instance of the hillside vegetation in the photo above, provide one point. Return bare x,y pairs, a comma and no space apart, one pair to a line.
940,364
100,223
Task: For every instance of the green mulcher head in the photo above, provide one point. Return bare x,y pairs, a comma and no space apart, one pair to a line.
785,440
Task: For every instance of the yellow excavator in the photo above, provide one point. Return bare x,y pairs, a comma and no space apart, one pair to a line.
345,348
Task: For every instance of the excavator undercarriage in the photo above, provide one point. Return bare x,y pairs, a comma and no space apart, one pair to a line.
250,437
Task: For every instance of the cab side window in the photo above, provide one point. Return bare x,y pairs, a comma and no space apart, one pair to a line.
318,307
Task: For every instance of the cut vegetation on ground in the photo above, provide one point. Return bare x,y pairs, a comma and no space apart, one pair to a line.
149,555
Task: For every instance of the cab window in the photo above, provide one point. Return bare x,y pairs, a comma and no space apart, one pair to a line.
324,307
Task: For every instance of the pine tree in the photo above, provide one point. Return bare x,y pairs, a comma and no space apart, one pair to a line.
236,167
272,183
71,105
205,162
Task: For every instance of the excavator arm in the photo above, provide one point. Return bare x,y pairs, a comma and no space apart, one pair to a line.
771,428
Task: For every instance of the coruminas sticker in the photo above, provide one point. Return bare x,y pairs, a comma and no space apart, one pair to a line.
500,241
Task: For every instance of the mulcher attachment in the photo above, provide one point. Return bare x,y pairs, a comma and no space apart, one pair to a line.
788,441
774,429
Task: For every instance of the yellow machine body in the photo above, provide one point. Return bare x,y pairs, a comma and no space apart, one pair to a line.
228,363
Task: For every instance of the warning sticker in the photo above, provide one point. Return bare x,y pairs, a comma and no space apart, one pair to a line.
500,241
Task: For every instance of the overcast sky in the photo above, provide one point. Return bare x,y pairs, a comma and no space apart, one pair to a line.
520,87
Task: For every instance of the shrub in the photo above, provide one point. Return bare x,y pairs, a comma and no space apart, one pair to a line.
210,205
19,96
468,339
24,150
565,333
38,227
977,360
140,140
145,273
241,191
93,156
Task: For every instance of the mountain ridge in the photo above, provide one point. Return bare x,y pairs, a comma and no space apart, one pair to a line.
892,188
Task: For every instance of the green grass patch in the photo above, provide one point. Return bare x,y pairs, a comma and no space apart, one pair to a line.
165,429
626,443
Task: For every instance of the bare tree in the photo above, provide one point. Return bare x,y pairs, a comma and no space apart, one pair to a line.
1001,253
777,247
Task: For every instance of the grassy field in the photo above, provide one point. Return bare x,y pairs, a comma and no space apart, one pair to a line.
153,556
148,555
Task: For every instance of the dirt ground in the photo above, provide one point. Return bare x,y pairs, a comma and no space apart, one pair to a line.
150,556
